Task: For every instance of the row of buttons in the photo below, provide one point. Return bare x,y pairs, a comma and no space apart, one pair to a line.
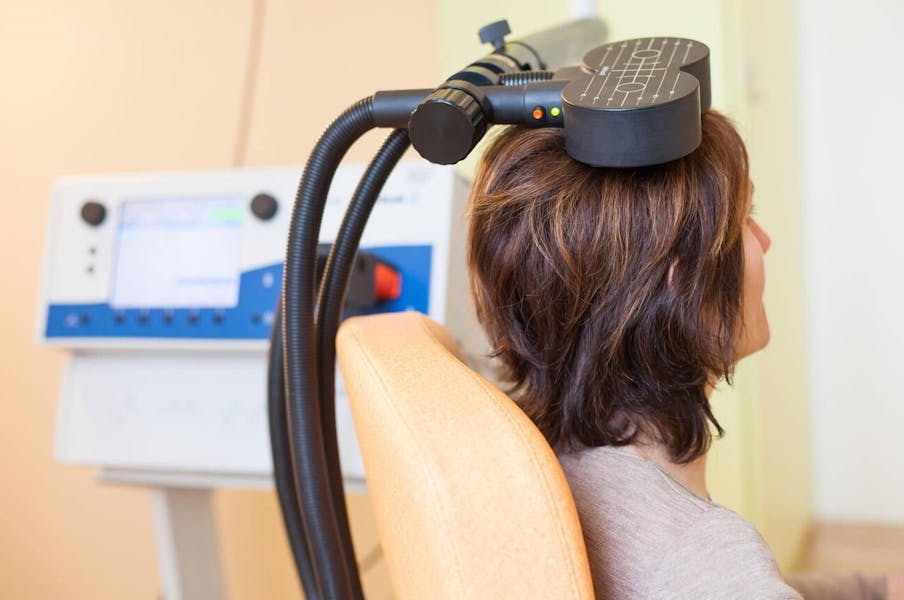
168,318
143,318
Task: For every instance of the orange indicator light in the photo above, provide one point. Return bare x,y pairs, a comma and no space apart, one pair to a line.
538,113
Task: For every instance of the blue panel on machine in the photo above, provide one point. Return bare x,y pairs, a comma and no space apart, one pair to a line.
249,319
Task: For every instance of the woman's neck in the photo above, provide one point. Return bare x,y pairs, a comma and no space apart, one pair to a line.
691,475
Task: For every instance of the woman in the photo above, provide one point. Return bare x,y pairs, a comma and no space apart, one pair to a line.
615,299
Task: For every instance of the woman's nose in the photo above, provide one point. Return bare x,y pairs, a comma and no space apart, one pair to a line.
761,235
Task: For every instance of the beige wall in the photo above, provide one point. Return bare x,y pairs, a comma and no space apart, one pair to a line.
107,86
780,411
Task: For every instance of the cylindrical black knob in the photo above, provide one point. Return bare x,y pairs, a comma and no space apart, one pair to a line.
93,213
494,33
446,126
264,206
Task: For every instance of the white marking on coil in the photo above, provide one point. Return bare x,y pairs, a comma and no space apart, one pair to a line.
637,72
603,60
661,81
674,50
650,68
615,64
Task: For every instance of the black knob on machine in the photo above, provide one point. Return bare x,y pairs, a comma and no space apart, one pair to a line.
264,206
494,33
446,126
93,213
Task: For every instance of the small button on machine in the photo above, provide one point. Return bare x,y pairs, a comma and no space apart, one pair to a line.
264,206
93,213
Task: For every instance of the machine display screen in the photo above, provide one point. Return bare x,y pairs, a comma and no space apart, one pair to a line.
178,253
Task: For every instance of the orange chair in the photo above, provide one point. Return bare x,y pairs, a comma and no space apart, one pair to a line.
469,498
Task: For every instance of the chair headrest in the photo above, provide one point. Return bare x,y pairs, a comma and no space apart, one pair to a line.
469,498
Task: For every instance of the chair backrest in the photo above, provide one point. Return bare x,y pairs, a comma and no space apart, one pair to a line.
470,500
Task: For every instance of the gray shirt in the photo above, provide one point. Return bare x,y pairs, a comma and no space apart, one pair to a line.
649,537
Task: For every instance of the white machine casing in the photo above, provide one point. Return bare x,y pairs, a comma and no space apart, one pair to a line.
176,396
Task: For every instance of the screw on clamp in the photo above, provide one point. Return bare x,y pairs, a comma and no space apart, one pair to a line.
495,33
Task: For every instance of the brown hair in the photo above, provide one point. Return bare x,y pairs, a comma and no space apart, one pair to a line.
611,296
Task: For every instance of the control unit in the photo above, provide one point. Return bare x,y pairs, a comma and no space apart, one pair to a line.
162,288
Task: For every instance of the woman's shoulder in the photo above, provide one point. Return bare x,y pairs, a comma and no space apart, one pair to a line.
717,555
649,537
614,476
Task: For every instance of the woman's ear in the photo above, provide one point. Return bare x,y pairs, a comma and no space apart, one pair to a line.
671,276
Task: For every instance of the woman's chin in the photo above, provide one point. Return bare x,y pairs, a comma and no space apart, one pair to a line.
766,333
755,341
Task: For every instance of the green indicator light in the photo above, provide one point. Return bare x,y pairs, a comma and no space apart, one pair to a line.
555,111
227,215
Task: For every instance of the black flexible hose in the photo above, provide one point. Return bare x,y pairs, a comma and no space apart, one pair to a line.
333,289
330,562
282,461
525,77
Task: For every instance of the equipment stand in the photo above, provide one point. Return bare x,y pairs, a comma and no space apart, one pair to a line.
186,540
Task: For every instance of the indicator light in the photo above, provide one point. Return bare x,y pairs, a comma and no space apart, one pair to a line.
555,111
538,112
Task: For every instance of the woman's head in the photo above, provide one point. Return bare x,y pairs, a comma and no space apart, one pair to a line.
615,297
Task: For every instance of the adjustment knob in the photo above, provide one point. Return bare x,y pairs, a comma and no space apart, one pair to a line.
495,33
93,213
446,126
264,206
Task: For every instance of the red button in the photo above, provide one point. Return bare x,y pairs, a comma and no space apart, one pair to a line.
387,282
